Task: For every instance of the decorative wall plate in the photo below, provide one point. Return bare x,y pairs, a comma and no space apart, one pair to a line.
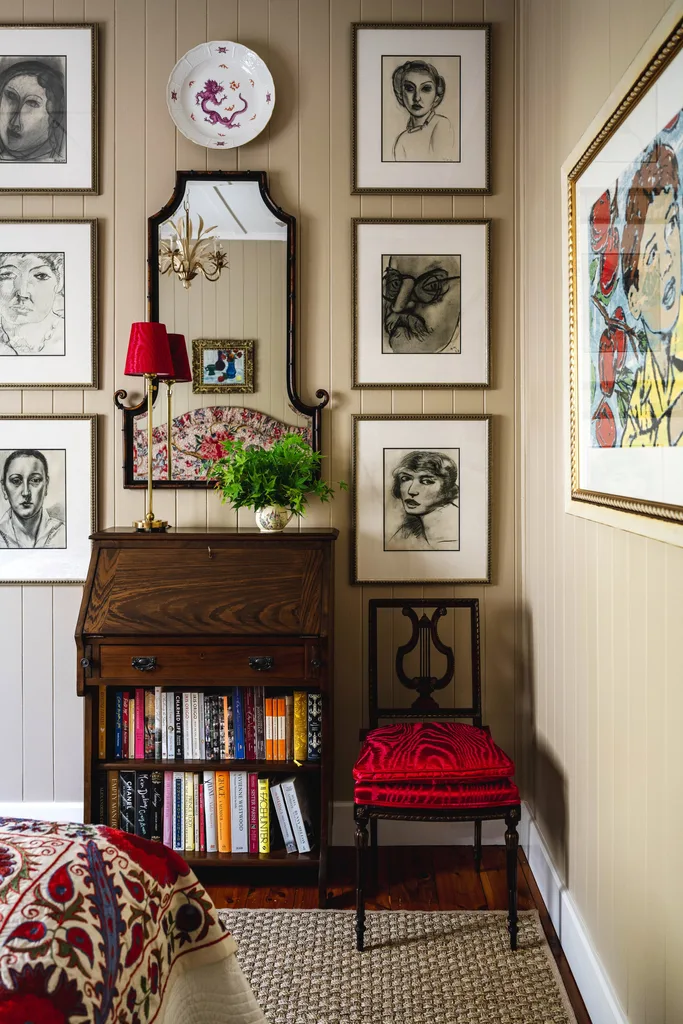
220,95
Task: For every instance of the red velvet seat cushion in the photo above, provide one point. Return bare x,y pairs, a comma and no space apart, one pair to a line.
436,795
448,751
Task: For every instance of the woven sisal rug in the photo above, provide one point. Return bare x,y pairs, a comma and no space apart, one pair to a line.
443,967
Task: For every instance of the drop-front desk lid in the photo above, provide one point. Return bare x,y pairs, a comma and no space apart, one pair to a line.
206,582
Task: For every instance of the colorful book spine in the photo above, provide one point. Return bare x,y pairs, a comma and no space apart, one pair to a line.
210,811
297,808
263,817
201,749
281,729
156,824
249,724
216,721
101,798
143,804
314,735
222,735
289,727
139,724
202,819
223,812
168,809
118,725
252,787
239,812
230,738
300,727
157,723
208,727
125,724
131,728
164,727
102,722
195,805
178,723
189,811
178,810
149,725
238,722
113,800
194,724
269,728
259,723
170,725
127,801
283,817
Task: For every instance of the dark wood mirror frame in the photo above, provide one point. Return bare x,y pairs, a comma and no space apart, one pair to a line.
175,202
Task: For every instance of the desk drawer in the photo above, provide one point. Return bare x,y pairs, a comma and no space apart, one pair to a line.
157,664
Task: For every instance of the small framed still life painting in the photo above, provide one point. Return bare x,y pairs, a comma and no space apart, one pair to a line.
422,504
48,108
220,366
624,193
421,119
421,303
47,497
48,304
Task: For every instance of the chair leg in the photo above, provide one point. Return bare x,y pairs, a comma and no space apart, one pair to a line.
477,846
374,856
511,843
361,816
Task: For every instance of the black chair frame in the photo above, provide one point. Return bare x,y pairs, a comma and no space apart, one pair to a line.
423,708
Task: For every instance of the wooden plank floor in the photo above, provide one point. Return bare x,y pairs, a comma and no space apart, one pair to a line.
410,878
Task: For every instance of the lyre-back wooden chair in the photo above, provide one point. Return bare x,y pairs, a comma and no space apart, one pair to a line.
431,768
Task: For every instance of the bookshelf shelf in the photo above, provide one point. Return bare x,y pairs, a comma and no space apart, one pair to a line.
278,858
193,765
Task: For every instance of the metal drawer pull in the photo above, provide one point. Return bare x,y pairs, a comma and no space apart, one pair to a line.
262,664
144,664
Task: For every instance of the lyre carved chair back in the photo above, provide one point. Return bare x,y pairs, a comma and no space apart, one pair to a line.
428,765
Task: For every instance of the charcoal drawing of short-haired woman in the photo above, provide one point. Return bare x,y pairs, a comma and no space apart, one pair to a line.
33,111
426,484
428,136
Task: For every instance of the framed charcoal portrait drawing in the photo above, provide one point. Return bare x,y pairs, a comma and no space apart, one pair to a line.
47,497
625,261
421,303
421,108
48,308
422,507
48,108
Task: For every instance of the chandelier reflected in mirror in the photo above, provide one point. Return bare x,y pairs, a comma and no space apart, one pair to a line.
186,256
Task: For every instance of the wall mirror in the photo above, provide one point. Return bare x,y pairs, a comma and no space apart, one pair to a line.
222,268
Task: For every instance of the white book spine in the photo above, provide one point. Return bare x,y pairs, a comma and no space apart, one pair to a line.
195,725
157,723
170,726
187,726
164,727
178,810
202,728
289,793
195,784
239,816
283,817
210,811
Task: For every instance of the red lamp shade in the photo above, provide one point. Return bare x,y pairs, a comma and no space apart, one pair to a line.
148,351
181,364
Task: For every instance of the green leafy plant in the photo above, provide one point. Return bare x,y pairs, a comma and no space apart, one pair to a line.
285,474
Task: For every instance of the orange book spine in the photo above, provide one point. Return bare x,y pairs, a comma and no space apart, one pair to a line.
223,811
269,729
281,755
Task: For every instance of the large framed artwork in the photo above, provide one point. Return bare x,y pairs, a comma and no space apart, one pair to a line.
421,120
625,316
47,497
421,303
48,307
48,108
422,503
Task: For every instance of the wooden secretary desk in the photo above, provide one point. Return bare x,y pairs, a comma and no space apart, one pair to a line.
210,609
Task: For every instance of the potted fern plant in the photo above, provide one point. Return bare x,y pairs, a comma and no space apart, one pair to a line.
275,481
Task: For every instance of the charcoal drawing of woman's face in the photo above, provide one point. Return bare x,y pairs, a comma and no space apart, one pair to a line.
421,302
419,94
421,491
29,285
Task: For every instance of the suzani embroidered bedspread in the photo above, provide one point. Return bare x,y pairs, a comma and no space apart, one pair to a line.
99,926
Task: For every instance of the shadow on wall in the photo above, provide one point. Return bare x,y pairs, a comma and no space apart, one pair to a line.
540,777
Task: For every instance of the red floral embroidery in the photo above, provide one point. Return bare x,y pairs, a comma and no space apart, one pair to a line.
136,941
79,939
32,931
7,861
32,997
60,886
164,865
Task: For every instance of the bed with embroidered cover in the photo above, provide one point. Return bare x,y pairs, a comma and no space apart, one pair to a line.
99,926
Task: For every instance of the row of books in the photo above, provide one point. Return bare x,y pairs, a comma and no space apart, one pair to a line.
240,724
224,812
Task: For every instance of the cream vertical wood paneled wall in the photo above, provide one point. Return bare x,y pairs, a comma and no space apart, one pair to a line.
603,674
306,151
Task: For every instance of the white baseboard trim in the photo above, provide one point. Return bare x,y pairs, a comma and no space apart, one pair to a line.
56,811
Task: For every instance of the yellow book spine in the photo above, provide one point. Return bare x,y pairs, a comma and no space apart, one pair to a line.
189,810
223,811
263,816
300,725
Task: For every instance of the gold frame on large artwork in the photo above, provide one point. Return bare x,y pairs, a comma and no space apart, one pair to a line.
657,63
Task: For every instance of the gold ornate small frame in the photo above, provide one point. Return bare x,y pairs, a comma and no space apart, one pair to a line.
242,350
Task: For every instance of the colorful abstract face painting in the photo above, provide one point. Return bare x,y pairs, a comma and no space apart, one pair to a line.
625,299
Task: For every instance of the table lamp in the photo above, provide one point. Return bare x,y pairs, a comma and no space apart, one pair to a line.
181,375
149,356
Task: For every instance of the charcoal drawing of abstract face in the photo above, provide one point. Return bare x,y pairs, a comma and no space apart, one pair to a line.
32,109
420,304
421,499
31,303
28,477
420,89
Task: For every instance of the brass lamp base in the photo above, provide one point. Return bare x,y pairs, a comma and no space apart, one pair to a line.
149,523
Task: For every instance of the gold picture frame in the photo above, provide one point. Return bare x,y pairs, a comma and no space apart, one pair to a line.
238,378
616,354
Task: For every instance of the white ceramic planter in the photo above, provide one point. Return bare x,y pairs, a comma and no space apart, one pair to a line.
272,518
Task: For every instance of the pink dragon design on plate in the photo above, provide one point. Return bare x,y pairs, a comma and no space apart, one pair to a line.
213,92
